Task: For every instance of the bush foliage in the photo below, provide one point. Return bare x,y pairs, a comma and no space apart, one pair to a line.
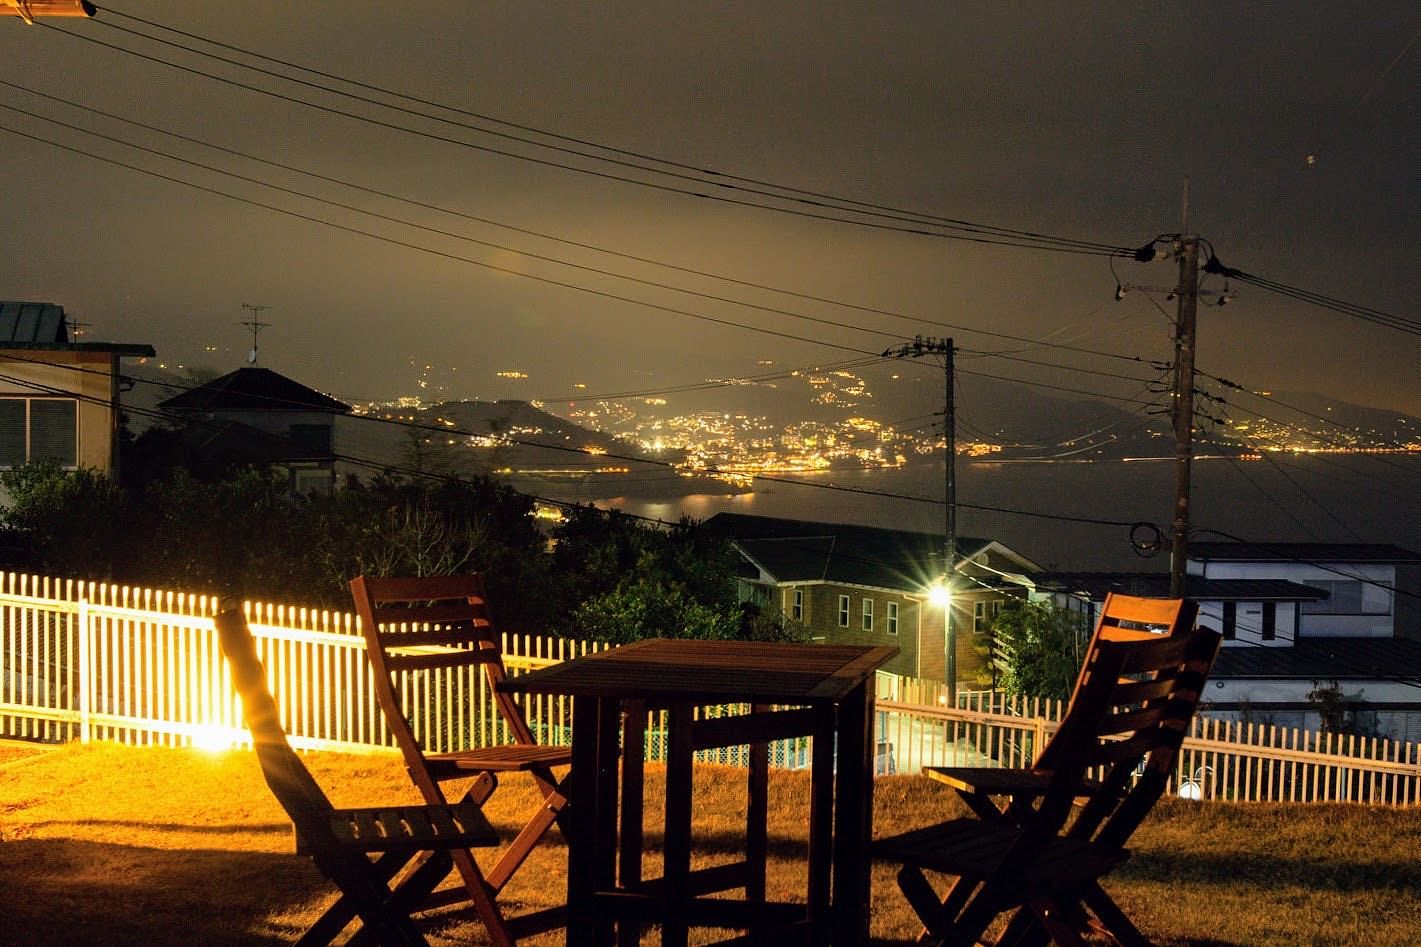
598,575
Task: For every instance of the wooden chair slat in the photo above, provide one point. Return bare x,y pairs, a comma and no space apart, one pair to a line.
425,588
429,613
433,660
425,637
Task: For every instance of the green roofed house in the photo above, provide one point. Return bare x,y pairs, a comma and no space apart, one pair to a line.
849,584
257,416
59,399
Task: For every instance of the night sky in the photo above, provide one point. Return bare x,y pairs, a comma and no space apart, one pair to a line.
1072,120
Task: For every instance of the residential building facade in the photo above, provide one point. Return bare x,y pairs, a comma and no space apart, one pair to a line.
59,399
848,584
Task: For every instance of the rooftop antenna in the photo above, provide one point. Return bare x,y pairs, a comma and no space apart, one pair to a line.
77,328
256,325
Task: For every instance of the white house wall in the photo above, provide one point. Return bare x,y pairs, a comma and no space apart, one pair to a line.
1320,625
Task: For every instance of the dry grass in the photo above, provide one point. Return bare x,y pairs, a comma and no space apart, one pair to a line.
104,844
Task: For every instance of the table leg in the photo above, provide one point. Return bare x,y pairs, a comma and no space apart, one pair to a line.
757,813
677,848
821,821
580,822
633,790
853,816
609,726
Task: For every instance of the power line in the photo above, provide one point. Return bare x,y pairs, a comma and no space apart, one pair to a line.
679,170
809,297
963,234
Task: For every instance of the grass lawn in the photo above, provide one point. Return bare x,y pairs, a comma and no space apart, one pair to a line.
105,844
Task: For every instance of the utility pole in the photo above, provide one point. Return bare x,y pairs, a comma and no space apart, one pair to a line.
917,349
1184,344
256,325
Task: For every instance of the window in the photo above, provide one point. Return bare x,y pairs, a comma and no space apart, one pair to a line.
983,614
1270,621
892,618
1349,597
39,429
843,611
796,610
868,614
1230,621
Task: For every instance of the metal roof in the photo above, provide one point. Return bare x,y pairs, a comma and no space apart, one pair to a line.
253,389
1156,584
804,551
1318,659
32,322
1301,552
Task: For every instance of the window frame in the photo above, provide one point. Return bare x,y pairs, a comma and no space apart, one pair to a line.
866,617
843,611
890,618
27,425
796,607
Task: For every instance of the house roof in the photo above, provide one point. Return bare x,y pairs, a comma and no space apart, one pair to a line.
804,551
1301,552
253,389
32,322
42,326
1156,584
1322,659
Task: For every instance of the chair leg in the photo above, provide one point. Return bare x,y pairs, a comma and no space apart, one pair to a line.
1059,923
343,911
1116,923
370,897
482,896
522,846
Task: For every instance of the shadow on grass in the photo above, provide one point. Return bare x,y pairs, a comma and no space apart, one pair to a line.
60,891
1321,874
235,828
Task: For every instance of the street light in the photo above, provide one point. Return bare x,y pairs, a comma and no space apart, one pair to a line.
29,10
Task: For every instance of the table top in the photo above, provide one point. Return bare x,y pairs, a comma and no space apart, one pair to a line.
702,671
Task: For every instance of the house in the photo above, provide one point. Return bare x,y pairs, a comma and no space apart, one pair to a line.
1365,634
257,416
866,585
59,399
1295,617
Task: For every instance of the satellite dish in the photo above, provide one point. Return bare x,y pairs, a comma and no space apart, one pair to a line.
252,357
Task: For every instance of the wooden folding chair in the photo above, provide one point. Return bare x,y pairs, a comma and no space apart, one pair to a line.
444,623
1133,702
415,839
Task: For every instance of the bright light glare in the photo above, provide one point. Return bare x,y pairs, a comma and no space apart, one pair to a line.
215,739
939,595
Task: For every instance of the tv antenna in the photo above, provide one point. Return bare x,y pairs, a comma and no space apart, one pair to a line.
256,325
77,329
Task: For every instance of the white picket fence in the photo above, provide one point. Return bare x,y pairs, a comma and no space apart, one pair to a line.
90,660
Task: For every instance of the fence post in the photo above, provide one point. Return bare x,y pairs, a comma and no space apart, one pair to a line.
86,668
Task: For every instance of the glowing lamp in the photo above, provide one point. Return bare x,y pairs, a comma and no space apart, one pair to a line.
939,595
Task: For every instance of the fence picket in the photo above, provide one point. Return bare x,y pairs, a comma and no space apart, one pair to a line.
95,660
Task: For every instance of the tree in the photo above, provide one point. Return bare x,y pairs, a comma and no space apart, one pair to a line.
1341,713
72,523
1039,649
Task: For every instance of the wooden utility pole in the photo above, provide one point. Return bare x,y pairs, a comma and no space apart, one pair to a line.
916,349
1184,343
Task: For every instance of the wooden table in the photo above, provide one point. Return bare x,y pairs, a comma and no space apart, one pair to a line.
830,690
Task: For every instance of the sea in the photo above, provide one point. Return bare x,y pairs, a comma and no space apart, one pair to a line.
1082,515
